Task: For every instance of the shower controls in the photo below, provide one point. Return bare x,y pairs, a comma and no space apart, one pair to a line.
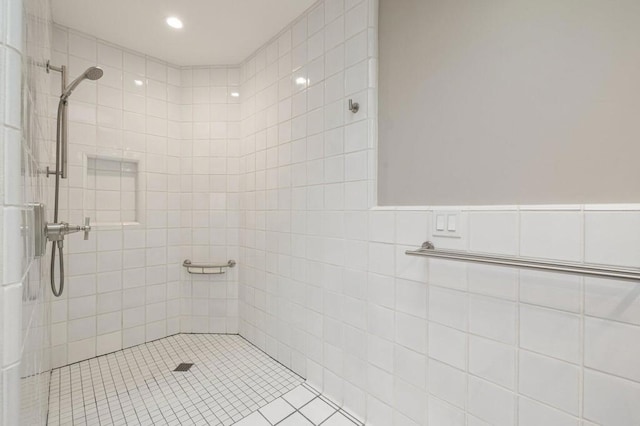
39,238
57,231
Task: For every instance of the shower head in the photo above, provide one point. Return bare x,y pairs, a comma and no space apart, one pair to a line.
92,73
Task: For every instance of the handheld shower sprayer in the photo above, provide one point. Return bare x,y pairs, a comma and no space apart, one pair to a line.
56,231
91,73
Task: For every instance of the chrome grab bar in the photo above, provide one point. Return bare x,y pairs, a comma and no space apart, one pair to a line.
207,269
429,250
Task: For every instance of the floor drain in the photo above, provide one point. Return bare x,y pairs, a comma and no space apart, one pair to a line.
183,367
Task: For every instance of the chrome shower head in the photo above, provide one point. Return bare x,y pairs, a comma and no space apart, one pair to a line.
92,73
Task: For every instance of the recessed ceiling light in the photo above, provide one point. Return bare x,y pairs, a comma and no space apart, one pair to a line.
235,94
138,82
174,22
301,81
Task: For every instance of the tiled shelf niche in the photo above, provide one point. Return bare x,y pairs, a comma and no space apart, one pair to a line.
112,191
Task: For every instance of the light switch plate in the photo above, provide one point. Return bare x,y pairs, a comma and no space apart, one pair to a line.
446,223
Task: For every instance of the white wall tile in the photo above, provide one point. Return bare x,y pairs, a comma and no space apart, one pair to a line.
410,366
610,400
356,19
12,61
447,383
81,350
609,238
109,55
612,299
493,318
603,343
550,332
531,413
494,232
82,46
411,227
12,324
441,413
551,381
411,332
382,226
447,345
559,291
491,403
554,235
381,258
448,307
411,298
493,281
410,401
492,361
448,273
14,30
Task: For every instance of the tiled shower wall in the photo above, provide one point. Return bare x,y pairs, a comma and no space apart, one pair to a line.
24,46
126,285
326,288
122,287
209,196
308,168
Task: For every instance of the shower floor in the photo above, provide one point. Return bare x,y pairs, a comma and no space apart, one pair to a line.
230,380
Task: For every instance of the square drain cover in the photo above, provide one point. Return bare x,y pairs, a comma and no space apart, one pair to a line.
183,367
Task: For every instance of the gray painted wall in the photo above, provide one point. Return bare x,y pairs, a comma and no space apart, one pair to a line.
509,102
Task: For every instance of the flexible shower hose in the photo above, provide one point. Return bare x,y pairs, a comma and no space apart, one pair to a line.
57,292
59,244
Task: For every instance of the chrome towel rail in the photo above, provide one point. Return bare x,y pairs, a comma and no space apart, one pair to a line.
429,250
194,268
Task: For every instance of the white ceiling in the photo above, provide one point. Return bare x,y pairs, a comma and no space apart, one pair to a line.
215,32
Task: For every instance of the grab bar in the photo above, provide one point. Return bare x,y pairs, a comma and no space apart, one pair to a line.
429,250
207,269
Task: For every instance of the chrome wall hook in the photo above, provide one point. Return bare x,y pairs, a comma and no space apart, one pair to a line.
353,106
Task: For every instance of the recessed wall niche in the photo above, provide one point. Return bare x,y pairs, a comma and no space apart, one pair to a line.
112,191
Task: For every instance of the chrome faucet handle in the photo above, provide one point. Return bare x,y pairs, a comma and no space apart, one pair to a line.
87,227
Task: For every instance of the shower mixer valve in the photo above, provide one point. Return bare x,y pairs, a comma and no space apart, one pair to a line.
57,231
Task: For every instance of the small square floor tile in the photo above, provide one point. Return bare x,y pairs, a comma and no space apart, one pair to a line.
137,386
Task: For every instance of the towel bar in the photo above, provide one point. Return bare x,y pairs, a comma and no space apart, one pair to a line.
429,250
